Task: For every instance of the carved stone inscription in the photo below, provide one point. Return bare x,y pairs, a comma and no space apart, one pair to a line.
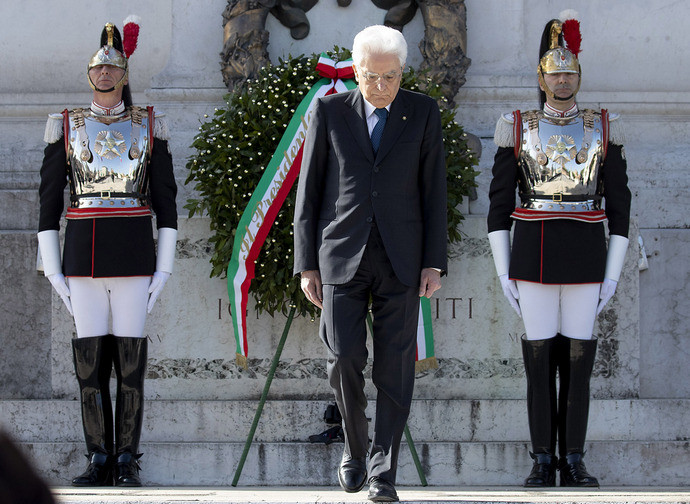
476,335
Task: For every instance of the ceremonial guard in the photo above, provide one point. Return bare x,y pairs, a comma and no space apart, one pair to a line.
116,159
559,274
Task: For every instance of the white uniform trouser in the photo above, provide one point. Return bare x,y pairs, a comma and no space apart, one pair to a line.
551,309
93,300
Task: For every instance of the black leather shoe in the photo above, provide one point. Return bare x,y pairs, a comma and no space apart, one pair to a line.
127,470
381,490
574,473
98,473
352,473
543,471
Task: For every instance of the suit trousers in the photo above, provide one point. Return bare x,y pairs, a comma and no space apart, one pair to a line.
395,309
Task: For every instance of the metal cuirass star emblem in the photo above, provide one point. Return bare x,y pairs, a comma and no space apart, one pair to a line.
561,149
110,144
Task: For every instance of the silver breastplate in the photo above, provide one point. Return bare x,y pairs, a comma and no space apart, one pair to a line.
560,159
108,156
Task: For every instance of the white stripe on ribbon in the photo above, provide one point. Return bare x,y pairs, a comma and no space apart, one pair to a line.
266,201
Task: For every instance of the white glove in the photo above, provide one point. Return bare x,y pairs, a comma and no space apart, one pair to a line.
165,257
500,249
49,247
510,291
156,287
608,289
615,257
58,282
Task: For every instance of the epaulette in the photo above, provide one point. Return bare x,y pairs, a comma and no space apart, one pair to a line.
503,135
53,131
616,130
160,127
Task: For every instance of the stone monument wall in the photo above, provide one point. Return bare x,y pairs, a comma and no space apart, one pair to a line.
176,68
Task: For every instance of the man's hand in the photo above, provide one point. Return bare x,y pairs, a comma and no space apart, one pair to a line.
429,282
312,287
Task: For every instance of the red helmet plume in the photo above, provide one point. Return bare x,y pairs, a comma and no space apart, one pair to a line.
130,34
571,31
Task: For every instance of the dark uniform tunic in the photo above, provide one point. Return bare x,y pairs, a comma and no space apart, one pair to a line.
553,248
120,245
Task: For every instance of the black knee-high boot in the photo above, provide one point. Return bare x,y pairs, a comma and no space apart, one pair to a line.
93,363
130,368
575,364
540,369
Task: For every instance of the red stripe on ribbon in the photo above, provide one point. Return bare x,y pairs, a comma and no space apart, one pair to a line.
336,72
331,72
262,233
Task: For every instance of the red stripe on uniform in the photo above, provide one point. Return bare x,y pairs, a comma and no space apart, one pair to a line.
537,215
93,246
605,131
517,133
152,119
94,213
541,255
65,131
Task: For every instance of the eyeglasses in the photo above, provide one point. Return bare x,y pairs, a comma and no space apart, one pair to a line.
388,77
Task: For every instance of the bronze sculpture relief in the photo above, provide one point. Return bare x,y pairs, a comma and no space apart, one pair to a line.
245,39
444,46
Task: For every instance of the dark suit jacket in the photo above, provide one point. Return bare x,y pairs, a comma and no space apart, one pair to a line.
343,187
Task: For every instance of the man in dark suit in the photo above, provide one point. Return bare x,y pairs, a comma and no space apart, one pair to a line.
370,223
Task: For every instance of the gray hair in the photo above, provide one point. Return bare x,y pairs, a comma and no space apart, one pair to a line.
378,39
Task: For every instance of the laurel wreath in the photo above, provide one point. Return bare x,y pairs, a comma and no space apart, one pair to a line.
235,144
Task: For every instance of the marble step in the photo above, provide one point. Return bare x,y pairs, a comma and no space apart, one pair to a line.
459,442
486,420
615,463
331,495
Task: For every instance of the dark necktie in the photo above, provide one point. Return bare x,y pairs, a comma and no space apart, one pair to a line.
377,133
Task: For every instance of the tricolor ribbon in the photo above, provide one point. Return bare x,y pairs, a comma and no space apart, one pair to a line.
426,357
337,72
270,193
267,199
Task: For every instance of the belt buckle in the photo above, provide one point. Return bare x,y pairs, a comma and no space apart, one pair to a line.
105,194
558,197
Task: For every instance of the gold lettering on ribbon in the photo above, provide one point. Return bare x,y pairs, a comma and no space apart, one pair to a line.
258,213
244,249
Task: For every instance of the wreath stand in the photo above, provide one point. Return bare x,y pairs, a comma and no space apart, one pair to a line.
264,395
